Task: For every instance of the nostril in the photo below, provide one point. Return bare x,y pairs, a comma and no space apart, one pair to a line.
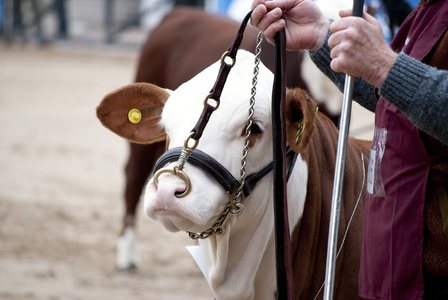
179,193
171,188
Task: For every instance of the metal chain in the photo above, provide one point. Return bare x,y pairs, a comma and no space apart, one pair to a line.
239,191
215,229
235,207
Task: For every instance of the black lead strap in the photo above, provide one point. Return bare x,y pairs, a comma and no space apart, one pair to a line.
285,284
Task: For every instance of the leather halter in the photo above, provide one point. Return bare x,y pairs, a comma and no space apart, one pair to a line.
210,165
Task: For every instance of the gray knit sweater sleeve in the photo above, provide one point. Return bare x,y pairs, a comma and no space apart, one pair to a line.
416,89
421,93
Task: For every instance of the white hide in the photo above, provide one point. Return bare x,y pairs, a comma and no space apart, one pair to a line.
324,91
241,261
127,255
320,86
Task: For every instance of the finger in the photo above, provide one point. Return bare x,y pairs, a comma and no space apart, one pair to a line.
255,3
257,14
349,12
335,66
334,40
269,22
335,52
369,18
283,5
338,59
273,28
346,13
338,25
347,22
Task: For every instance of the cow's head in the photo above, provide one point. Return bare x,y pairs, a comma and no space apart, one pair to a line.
223,138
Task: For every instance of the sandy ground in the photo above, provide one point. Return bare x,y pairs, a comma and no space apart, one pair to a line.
61,180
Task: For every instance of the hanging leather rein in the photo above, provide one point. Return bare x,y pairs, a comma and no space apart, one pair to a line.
223,176
285,284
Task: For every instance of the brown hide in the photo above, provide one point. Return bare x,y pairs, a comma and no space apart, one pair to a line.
188,40
309,239
115,110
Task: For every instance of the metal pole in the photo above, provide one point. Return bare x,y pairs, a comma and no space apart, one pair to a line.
344,126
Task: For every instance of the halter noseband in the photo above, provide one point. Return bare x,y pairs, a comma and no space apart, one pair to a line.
210,165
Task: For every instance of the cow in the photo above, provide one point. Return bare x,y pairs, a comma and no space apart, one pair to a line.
185,42
240,260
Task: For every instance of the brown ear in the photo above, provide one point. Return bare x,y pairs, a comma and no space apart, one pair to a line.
133,112
300,118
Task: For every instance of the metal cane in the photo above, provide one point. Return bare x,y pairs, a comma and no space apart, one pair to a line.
344,126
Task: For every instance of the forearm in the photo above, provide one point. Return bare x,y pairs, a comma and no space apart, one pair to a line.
363,93
421,93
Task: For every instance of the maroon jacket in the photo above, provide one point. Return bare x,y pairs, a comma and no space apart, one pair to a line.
400,172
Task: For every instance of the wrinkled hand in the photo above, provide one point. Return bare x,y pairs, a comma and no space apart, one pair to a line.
304,23
359,49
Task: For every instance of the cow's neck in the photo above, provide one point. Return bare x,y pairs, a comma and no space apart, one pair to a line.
238,258
310,237
241,262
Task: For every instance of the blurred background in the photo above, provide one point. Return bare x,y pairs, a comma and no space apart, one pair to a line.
62,173
96,21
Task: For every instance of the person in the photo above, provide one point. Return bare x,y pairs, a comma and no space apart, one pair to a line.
60,8
1,15
405,235
199,3
19,26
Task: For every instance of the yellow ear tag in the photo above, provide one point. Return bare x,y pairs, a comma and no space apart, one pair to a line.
317,109
134,116
300,129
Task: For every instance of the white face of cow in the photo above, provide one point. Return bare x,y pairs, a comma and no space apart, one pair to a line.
223,139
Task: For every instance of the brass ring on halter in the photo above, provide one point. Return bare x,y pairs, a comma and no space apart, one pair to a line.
186,143
217,102
174,171
223,59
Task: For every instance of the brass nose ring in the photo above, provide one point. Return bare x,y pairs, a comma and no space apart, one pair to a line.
174,171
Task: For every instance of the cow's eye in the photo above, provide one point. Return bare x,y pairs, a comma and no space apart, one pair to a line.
255,129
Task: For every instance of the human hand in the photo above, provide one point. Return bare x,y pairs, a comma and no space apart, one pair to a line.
305,25
359,49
